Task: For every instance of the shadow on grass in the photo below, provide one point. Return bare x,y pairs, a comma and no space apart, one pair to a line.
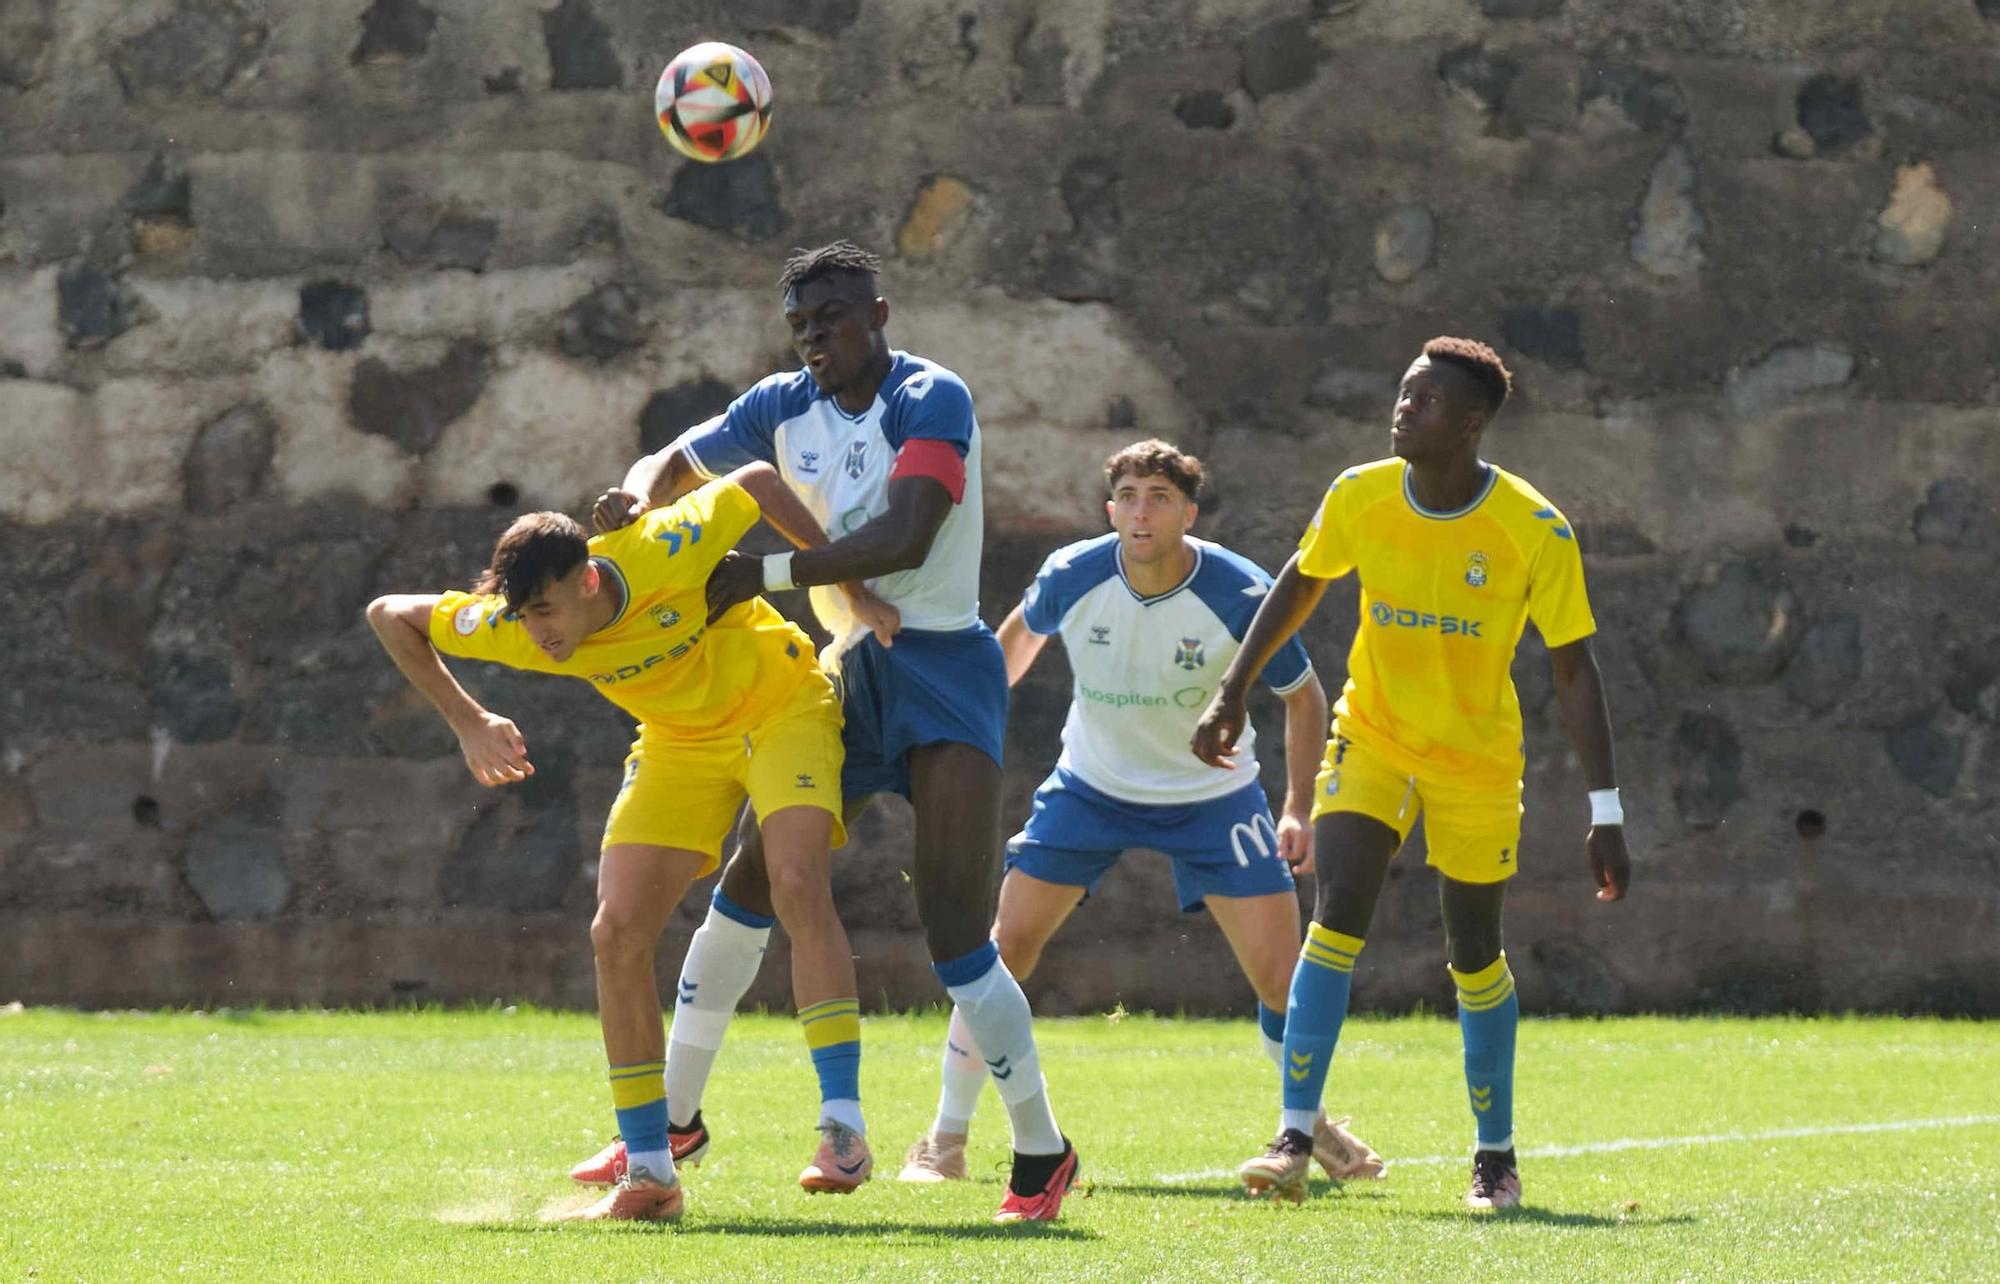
1548,1217
786,1228
1367,1192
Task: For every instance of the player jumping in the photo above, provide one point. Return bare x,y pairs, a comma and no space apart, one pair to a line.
1148,616
884,451
726,709
1455,555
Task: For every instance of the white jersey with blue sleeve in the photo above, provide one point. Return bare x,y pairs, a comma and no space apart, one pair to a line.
840,465
1146,667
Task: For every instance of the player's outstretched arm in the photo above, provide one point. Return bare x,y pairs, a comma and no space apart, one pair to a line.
896,540
1305,743
1019,643
789,516
1580,694
492,745
1287,606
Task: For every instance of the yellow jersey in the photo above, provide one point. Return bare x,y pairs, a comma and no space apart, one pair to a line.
1444,599
658,659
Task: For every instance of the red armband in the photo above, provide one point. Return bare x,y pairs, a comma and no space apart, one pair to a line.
929,457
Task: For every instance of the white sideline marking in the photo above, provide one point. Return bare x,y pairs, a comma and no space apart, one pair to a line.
1652,1143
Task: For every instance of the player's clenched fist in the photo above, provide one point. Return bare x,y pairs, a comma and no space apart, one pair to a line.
1215,735
616,508
494,750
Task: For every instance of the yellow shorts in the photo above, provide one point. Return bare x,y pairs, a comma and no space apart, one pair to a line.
686,793
1474,834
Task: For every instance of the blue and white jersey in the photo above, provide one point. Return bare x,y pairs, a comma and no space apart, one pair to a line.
1146,667
839,464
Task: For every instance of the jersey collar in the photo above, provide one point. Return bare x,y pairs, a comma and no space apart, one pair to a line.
1479,497
606,566
1186,580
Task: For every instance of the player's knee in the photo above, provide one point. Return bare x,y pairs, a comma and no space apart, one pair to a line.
618,939
1020,951
799,891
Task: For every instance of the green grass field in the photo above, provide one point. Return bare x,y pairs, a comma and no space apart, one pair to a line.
430,1145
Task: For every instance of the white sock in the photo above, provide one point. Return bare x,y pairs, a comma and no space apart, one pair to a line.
843,1110
660,1163
964,1077
1302,1120
997,1015
722,961
1273,1048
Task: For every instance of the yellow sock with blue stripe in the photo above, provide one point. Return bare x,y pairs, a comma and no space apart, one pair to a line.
1489,1013
639,1096
833,1033
1313,1016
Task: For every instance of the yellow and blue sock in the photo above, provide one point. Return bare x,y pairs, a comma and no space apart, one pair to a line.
833,1033
639,1096
1489,1014
1317,1006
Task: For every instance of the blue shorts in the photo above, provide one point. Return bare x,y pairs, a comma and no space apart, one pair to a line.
926,688
1227,846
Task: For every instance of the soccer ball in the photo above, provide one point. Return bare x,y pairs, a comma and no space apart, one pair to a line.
713,102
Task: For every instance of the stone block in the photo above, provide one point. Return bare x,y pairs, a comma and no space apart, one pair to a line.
1708,769
1926,753
1648,100
1955,514
943,207
507,437
230,459
1204,109
27,29
237,864
264,213
1551,335
1405,239
582,54
333,314
1668,240
1827,665
1482,77
1039,56
1911,229
394,31
108,607
521,852
30,335
1790,371
319,453
195,51
1831,112
412,407
1741,621
672,411
1278,57
94,305
740,198
603,325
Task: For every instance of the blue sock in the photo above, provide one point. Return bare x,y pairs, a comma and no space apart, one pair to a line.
1489,1013
1317,1006
1271,1028
639,1098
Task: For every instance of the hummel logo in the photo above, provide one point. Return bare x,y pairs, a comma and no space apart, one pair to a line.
687,990
1100,634
1504,858
1000,1068
806,781
1301,1066
1482,1099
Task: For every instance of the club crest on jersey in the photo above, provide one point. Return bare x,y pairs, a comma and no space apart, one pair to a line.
1189,654
466,621
663,615
1475,569
808,463
857,458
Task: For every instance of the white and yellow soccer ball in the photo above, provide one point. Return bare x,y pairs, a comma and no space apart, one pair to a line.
713,102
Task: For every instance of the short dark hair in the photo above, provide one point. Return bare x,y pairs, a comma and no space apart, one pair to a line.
1156,458
840,258
536,550
1489,374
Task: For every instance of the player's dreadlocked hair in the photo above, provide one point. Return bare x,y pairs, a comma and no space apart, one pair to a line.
1155,458
1491,375
841,256
538,549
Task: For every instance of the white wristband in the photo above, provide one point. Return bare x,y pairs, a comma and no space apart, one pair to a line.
778,572
1605,809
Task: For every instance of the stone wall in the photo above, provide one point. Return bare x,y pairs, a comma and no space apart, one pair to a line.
298,303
